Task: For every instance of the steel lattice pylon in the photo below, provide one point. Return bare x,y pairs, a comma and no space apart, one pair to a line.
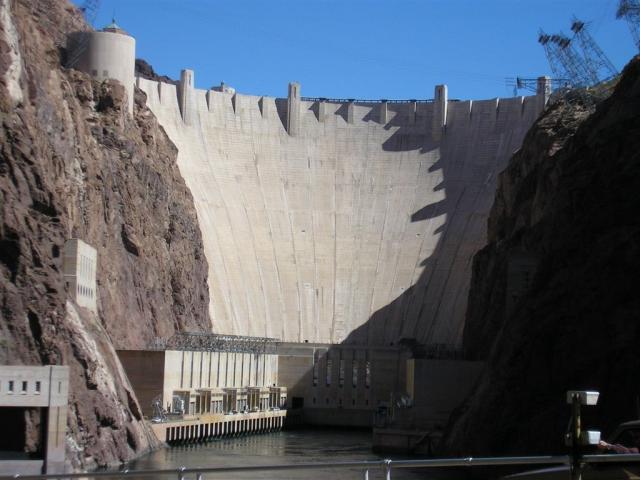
531,84
599,66
574,65
564,61
630,11
90,9
551,51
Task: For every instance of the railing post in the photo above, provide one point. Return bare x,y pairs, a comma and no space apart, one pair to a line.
199,476
387,469
181,473
366,474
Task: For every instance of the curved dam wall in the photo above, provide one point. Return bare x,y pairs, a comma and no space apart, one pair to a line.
340,221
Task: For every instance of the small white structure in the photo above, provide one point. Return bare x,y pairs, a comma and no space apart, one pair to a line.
108,53
79,267
35,387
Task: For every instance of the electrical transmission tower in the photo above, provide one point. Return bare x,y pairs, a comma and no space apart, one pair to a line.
630,11
533,84
564,61
551,51
90,9
597,63
573,63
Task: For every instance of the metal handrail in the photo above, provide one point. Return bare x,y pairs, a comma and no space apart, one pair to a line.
611,458
387,465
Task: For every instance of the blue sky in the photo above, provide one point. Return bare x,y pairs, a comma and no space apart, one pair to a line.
359,48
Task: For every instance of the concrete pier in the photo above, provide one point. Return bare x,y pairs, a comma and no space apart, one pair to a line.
210,427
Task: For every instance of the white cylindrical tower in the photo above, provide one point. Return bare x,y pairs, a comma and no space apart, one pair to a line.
108,53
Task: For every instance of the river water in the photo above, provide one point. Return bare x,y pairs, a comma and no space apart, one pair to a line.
286,447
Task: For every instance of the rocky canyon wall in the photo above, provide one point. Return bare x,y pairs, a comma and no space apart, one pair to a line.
554,301
74,164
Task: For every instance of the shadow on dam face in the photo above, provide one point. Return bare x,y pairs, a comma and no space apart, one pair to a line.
410,315
348,225
343,384
358,226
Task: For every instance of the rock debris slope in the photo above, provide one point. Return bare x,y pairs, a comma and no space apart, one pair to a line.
73,164
567,208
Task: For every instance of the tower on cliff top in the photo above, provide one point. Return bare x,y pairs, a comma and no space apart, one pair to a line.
108,53
630,11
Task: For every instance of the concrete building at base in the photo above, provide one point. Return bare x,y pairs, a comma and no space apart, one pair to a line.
33,387
212,384
229,388
79,268
344,385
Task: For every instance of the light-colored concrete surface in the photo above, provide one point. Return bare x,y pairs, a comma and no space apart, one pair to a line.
218,425
44,387
156,374
79,266
105,54
328,380
359,226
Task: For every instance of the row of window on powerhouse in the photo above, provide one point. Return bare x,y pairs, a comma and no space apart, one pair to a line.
226,371
230,401
21,386
341,372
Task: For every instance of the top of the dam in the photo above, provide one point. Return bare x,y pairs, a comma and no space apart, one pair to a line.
359,100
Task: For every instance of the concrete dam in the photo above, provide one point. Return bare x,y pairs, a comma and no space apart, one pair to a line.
340,221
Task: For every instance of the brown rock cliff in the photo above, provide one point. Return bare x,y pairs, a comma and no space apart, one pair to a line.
74,164
567,208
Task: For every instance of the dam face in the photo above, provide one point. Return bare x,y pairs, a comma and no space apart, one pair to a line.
333,221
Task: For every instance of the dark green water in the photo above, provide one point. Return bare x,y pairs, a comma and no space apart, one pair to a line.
290,447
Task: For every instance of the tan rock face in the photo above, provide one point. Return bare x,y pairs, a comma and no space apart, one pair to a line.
554,301
73,164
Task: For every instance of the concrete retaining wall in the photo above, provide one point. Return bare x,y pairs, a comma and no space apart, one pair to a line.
359,226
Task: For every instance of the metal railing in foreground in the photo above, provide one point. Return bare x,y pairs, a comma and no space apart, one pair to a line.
385,466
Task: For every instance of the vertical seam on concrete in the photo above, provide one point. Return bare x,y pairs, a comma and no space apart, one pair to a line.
423,235
259,268
380,243
274,257
231,310
295,260
451,269
335,234
316,282
450,266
